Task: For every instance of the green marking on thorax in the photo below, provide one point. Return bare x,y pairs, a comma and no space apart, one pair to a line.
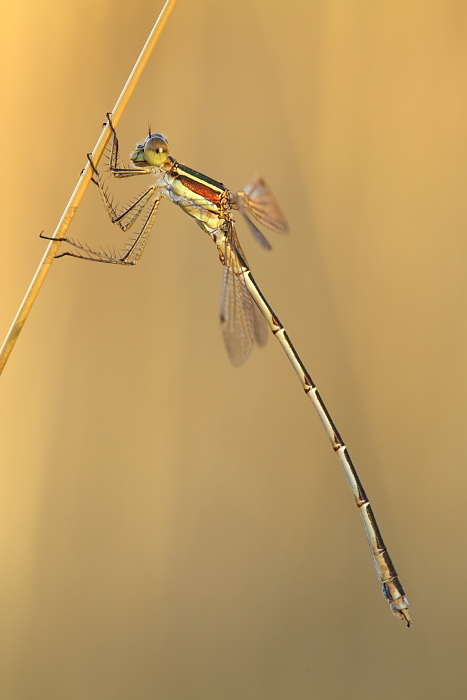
184,170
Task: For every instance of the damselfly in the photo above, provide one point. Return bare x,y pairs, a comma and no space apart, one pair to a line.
245,313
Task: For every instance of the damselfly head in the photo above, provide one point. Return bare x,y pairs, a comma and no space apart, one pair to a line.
153,152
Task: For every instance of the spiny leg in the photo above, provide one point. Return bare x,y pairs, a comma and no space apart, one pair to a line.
132,254
118,217
387,574
136,250
125,218
116,167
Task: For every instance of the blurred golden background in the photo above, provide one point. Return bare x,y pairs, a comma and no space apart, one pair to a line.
174,528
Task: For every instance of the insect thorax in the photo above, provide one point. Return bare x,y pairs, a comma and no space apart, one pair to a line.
199,196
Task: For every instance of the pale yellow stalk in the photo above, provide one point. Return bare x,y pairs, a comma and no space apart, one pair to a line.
84,179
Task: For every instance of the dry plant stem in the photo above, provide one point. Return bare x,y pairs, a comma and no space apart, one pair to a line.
85,177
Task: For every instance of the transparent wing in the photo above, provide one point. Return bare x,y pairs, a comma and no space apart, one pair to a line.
237,317
241,321
260,202
261,238
261,327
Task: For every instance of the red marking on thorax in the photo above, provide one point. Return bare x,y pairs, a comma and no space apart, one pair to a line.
202,190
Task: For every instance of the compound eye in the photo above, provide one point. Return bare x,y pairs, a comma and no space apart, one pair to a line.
156,150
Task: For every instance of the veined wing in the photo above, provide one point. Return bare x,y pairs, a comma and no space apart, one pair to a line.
241,320
260,202
261,328
261,238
